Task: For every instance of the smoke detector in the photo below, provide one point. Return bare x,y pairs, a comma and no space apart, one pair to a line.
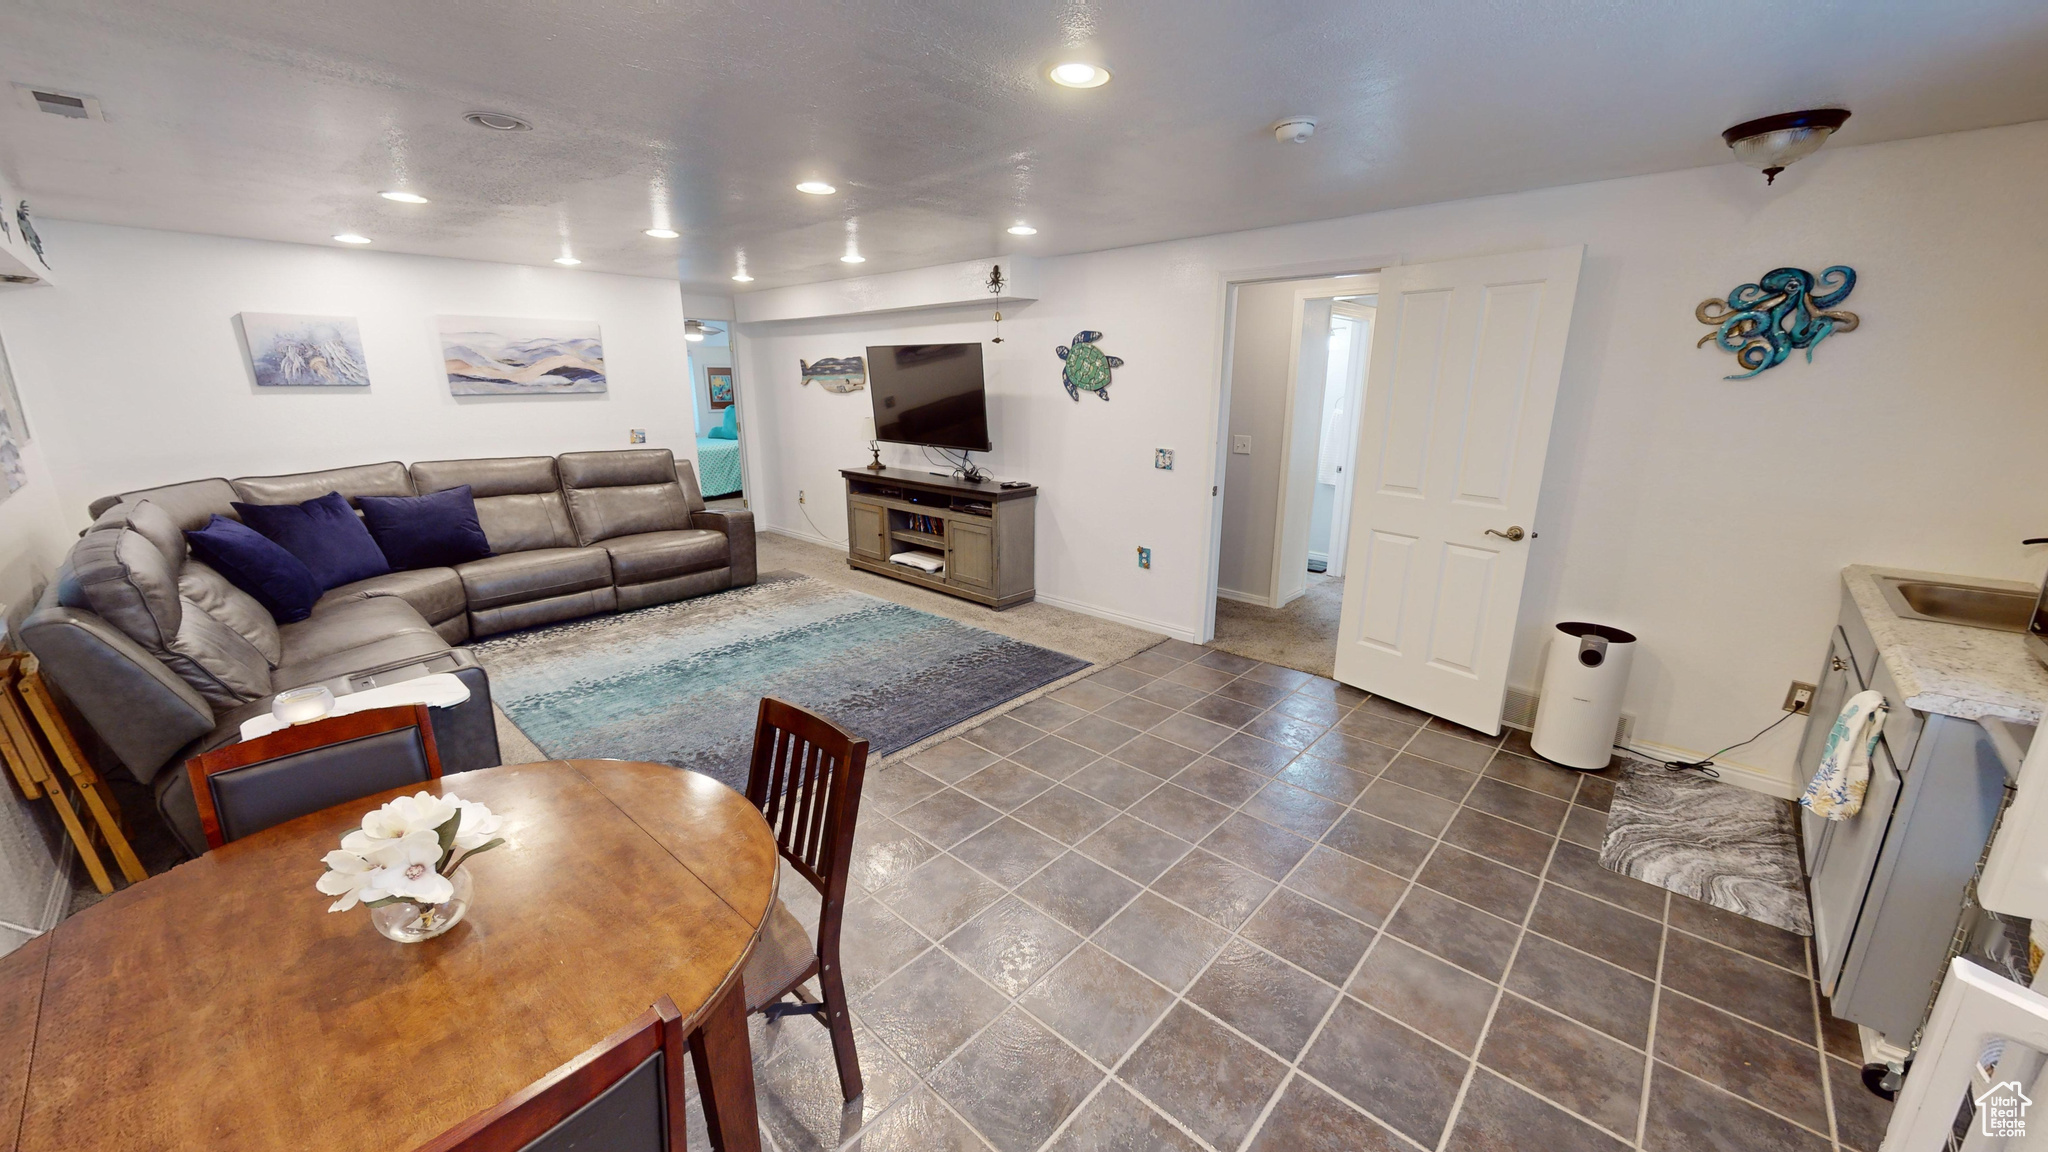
71,105
1295,130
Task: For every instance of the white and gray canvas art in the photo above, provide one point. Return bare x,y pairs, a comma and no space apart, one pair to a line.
293,351
12,475
494,356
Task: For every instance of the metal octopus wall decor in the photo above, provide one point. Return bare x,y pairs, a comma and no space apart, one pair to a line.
1789,308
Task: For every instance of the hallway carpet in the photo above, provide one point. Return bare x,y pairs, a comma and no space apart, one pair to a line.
1301,636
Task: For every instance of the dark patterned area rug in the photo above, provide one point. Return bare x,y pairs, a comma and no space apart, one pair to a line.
681,683
1733,848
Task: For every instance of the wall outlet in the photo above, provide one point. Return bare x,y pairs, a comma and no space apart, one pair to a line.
1144,557
1799,697
1240,445
636,435
1162,458
799,495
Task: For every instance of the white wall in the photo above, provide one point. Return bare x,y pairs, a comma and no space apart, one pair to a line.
134,374
1711,517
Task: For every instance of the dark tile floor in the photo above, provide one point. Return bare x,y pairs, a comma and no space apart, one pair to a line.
1198,902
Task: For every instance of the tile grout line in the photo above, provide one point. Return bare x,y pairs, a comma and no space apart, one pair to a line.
1820,1042
1650,1038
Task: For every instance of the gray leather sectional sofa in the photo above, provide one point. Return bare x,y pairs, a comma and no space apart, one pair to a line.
164,658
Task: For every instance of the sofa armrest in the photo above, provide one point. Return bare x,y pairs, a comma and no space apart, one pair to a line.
738,526
138,707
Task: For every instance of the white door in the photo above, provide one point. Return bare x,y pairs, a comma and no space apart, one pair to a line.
1361,314
1453,433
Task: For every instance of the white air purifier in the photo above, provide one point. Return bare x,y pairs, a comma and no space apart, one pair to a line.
1583,682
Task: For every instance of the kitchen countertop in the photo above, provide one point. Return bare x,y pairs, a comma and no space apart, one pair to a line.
1952,669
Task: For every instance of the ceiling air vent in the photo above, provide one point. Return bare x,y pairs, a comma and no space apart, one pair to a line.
67,104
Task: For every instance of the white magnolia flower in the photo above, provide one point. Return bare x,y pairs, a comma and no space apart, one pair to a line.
348,876
422,812
478,825
405,868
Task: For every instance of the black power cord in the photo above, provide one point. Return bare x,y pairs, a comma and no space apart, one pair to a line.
1706,767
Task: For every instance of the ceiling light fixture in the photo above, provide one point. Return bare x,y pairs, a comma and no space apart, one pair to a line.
498,121
741,277
404,197
351,238
816,188
853,258
693,330
662,233
1023,230
1079,74
1773,143
567,261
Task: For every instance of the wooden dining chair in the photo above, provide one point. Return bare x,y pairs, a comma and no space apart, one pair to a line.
244,788
625,1094
805,778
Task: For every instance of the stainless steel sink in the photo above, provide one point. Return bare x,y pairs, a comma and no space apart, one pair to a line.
1973,606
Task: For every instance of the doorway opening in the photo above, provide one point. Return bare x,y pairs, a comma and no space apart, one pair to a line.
1296,378
714,397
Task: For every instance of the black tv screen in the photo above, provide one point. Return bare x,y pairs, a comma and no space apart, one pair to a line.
929,394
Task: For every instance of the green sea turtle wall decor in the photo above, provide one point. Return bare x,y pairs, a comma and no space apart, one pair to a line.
1087,366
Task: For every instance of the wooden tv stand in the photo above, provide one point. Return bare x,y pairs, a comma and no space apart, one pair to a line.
984,532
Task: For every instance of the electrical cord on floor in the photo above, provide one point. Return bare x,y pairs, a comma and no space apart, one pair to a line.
801,507
1706,767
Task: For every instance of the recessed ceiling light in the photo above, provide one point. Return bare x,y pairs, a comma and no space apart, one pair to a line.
567,261
662,233
816,188
742,278
853,258
1023,230
1078,74
351,238
404,197
498,121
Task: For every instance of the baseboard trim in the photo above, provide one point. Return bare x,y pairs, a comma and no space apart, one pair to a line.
1741,775
1243,597
1173,630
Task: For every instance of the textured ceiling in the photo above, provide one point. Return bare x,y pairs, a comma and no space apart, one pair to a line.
282,119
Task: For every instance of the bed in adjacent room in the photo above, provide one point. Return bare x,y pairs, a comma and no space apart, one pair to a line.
718,467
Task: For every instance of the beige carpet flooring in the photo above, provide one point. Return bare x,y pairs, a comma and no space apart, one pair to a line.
1100,642
1301,636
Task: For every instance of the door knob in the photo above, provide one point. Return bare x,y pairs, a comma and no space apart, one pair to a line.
1513,534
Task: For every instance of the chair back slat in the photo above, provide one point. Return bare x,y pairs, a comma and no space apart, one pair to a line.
805,779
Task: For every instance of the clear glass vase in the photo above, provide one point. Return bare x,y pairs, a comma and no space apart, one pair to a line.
412,923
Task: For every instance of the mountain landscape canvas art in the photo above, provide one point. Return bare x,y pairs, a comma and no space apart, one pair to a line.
488,356
288,351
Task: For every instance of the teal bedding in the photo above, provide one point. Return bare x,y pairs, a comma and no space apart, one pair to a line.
718,467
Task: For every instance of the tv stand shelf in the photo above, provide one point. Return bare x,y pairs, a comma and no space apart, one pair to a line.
985,537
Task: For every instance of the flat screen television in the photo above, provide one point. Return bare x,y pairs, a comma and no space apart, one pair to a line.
929,394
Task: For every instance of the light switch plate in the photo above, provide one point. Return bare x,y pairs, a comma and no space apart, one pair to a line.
1162,458
1240,445
636,436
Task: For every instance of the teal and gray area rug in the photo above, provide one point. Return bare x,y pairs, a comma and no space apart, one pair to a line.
681,683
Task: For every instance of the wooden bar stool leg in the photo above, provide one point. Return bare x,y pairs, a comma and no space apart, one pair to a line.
99,800
725,1074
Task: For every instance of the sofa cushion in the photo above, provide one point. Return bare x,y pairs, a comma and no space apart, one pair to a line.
189,505
655,555
341,625
435,593
258,567
389,479
622,493
518,498
130,583
325,533
215,595
517,577
383,652
434,531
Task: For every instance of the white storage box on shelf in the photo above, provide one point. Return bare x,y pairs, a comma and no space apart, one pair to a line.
1583,682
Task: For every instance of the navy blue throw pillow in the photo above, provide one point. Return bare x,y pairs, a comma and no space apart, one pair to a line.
438,530
325,533
259,566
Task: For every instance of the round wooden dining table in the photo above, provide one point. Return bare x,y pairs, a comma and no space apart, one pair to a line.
220,1006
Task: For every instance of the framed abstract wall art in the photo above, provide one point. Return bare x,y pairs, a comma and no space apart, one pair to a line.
489,356
718,381
293,351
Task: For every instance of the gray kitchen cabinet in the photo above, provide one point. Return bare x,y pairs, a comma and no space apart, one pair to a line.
1888,884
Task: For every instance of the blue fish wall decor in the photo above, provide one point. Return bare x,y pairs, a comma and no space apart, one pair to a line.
1789,308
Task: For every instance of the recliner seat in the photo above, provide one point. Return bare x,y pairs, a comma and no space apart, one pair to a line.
165,658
